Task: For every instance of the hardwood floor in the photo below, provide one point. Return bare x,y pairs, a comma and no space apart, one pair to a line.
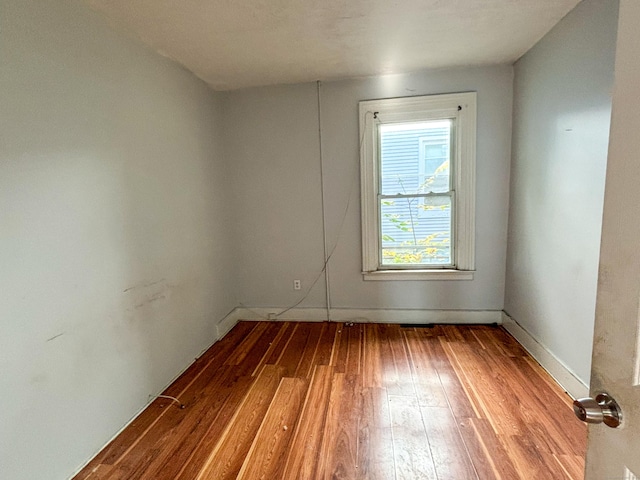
280,400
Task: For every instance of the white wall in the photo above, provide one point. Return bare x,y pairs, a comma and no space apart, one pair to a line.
562,106
272,136
115,258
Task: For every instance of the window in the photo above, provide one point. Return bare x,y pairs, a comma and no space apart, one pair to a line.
418,187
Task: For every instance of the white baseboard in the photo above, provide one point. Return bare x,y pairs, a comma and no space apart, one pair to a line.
416,316
361,316
227,323
273,313
558,370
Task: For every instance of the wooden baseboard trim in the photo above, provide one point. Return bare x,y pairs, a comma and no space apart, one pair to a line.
558,370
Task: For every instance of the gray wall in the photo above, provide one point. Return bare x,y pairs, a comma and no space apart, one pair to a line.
272,136
562,106
114,252
271,140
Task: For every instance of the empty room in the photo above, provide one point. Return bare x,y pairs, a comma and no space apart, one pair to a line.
319,240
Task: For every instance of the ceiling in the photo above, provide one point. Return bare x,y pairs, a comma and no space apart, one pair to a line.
233,44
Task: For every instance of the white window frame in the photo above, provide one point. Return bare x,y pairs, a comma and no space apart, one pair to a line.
461,107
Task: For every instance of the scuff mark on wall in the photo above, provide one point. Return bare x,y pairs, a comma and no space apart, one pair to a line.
147,293
153,298
55,336
151,284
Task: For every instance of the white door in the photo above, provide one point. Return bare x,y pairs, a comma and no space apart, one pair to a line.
615,453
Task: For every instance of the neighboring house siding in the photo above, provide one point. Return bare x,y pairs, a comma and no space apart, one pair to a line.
400,151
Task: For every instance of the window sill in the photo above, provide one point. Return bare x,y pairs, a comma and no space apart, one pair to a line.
382,275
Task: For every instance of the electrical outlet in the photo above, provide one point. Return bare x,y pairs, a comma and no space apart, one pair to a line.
297,284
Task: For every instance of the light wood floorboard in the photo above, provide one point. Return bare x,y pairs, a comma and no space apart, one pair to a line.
282,400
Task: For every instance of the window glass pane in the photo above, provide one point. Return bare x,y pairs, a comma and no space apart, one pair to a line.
414,157
416,231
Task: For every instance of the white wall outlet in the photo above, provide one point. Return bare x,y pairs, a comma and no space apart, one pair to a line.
297,284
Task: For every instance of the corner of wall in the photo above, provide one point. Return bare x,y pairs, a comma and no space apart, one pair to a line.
225,325
547,360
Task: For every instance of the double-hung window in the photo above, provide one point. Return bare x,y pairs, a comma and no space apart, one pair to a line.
418,187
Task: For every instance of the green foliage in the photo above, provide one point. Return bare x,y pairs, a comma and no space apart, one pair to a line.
425,251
